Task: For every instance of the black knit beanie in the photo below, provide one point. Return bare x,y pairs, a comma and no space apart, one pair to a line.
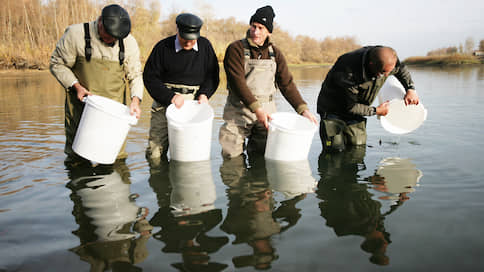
265,16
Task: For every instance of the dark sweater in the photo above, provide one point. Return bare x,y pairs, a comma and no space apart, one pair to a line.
193,68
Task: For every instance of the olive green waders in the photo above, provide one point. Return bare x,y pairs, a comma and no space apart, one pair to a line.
158,135
240,122
101,77
336,134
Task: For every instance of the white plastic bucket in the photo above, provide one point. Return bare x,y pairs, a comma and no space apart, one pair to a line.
190,131
290,137
102,130
401,118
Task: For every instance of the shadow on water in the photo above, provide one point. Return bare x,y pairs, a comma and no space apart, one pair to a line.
113,231
348,203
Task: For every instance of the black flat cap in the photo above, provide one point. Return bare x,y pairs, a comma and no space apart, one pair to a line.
116,21
189,26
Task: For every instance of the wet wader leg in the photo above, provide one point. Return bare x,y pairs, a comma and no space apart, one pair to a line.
158,136
73,111
234,131
356,133
331,134
232,139
257,139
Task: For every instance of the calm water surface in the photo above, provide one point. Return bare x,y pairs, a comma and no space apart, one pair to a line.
403,203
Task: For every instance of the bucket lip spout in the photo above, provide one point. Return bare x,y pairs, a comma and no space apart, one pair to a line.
274,123
95,101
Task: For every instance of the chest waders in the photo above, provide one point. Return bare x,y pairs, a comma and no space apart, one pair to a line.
101,77
158,135
337,133
240,121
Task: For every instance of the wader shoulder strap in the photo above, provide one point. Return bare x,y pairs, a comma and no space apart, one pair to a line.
271,53
87,38
245,43
88,48
121,52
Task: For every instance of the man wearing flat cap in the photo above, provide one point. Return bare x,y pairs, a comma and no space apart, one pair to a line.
255,70
181,67
98,58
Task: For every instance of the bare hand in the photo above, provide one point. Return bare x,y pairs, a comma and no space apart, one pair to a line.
263,117
134,107
411,97
202,99
81,91
310,116
178,100
382,110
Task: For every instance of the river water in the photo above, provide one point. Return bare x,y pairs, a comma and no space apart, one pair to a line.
404,203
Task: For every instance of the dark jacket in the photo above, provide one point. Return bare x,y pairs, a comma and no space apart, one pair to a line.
349,89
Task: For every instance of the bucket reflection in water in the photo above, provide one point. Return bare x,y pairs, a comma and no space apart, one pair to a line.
193,188
291,178
396,177
109,220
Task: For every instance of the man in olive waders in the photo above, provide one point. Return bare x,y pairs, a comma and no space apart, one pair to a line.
350,88
255,69
180,67
97,58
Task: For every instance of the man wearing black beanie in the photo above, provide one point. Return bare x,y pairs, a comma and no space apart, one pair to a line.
255,70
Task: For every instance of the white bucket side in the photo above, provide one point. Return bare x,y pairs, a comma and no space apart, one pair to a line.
102,131
290,142
391,89
190,131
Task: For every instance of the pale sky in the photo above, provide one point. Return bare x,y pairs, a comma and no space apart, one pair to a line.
411,27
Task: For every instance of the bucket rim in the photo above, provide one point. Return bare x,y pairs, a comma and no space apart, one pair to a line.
91,101
171,109
273,124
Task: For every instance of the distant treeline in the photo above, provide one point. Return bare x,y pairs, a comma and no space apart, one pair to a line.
29,30
463,54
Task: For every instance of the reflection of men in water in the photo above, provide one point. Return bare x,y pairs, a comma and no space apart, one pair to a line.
251,216
185,234
112,230
347,205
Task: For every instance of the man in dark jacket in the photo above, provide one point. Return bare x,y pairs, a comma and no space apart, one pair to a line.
350,88
181,67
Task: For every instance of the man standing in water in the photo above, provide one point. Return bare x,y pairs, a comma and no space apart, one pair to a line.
181,67
97,58
350,88
255,69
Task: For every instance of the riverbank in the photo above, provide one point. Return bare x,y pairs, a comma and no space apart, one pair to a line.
444,60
